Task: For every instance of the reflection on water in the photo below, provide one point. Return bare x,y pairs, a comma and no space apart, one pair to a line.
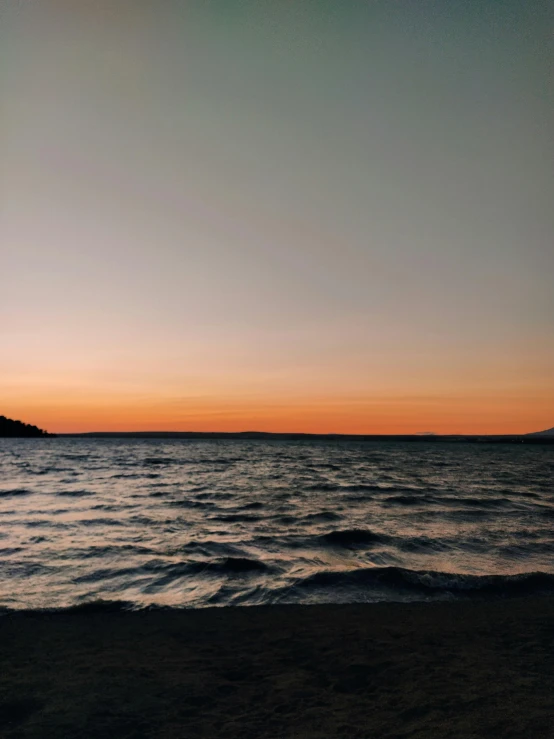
196,523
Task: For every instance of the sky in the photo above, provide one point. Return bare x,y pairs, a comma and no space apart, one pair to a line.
277,215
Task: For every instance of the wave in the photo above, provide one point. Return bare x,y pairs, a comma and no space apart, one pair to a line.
24,569
100,522
447,500
15,492
167,572
222,460
352,538
78,457
360,585
404,500
236,517
206,548
194,462
362,488
530,548
321,517
430,582
75,493
285,520
424,544
98,606
108,550
197,495
322,487
331,487
480,502
187,503
230,566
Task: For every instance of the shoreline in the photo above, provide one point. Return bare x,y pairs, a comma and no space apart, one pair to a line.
443,669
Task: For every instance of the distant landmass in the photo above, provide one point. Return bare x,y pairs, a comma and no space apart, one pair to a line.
548,432
15,429
268,436
18,429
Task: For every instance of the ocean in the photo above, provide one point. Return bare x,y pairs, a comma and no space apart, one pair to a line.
186,523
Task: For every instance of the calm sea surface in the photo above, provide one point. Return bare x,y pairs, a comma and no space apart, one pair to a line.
198,523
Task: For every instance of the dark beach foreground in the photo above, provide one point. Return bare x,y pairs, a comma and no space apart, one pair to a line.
454,669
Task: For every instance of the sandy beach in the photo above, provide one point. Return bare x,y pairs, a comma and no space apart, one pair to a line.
472,669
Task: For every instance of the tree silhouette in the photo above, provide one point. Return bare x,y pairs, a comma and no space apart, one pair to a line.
11,428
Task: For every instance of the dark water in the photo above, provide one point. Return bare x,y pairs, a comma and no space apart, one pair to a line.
198,523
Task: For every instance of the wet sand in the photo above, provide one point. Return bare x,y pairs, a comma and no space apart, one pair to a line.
473,669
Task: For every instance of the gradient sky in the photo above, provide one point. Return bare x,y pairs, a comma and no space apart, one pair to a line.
277,215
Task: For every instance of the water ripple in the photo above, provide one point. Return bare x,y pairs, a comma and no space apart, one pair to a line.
197,523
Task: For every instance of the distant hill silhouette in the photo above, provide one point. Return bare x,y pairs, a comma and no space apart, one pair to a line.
548,432
11,428
267,436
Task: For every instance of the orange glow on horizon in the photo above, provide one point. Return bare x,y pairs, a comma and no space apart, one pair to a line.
401,415
229,388
506,394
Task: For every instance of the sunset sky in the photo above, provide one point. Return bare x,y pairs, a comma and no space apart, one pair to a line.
277,215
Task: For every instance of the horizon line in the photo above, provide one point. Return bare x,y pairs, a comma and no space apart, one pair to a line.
422,434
